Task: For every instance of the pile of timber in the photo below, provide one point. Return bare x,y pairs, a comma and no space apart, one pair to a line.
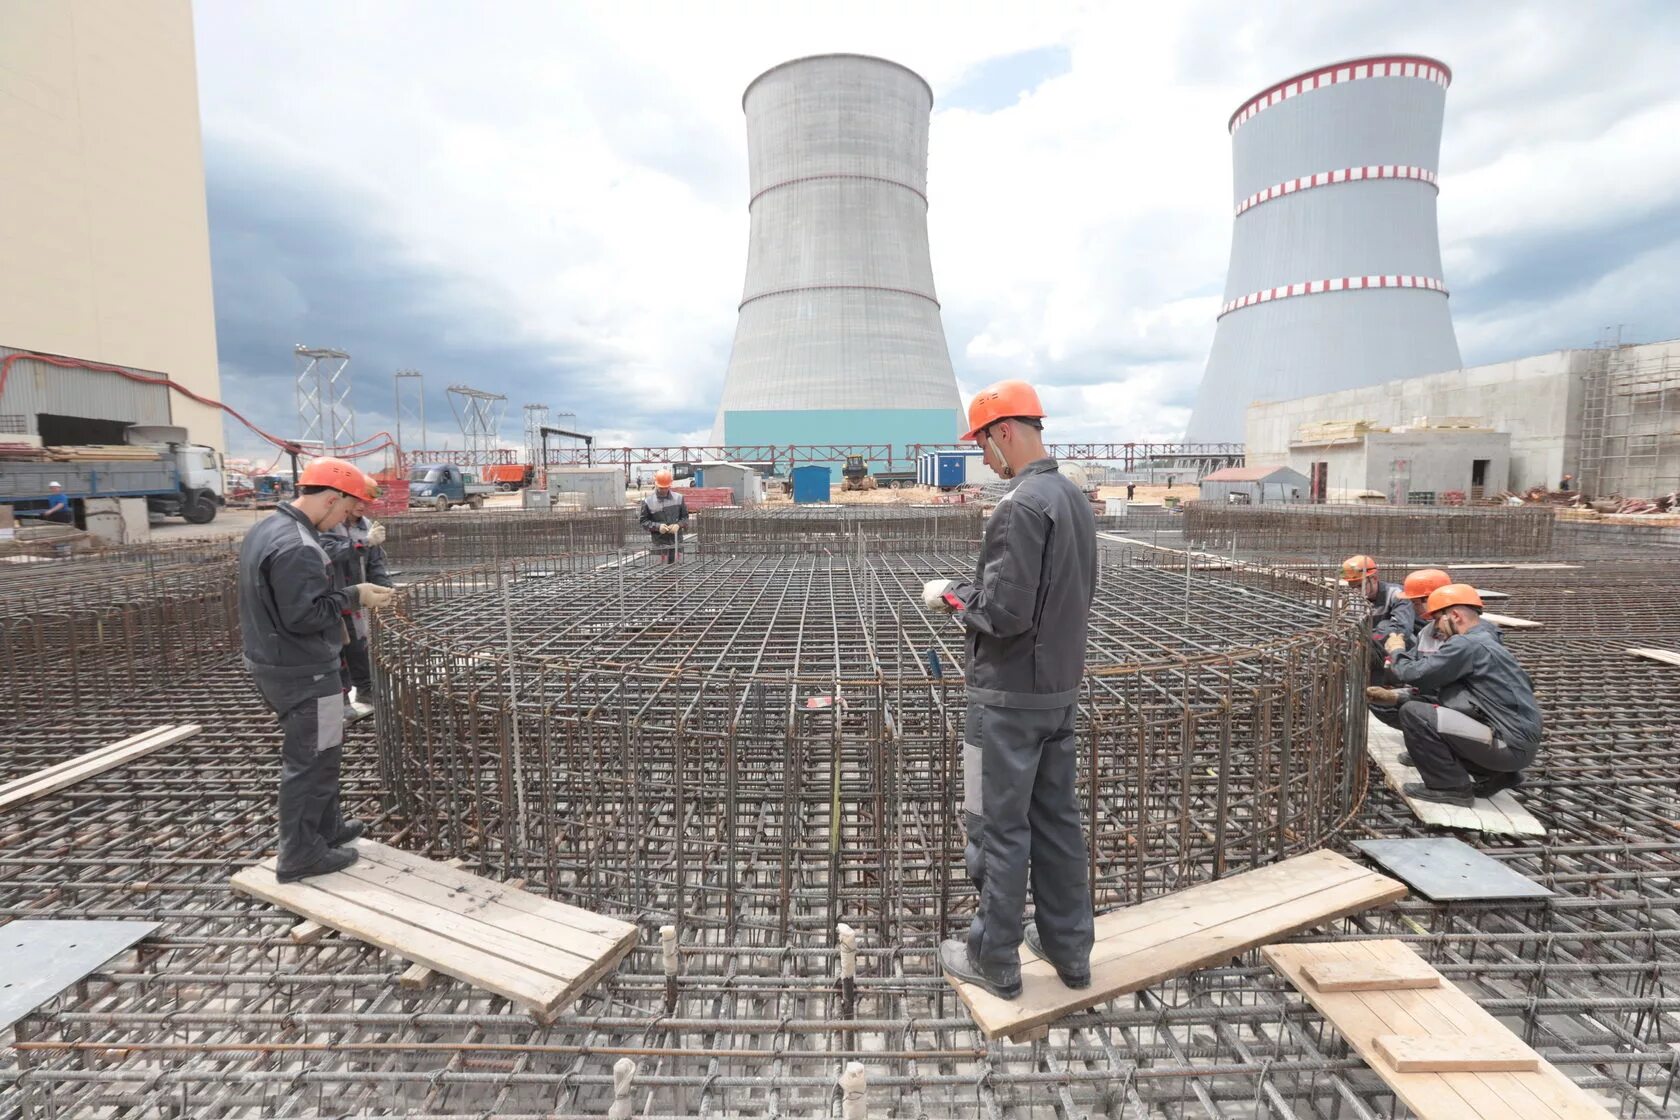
90,452
22,453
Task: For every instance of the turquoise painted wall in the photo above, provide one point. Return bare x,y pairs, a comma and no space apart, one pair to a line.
897,426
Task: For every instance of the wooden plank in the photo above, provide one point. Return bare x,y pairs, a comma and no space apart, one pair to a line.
1502,814
78,760
1666,656
307,933
1361,1017
418,975
1179,933
1455,1053
1376,976
1511,622
93,763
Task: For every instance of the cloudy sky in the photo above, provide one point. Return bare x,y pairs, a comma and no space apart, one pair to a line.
549,200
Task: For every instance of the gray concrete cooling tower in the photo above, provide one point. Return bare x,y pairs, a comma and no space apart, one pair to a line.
839,338
1335,278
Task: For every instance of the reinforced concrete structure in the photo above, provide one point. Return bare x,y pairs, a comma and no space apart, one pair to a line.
103,226
1335,277
839,338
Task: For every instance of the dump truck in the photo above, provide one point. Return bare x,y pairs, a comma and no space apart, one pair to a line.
178,479
509,476
441,485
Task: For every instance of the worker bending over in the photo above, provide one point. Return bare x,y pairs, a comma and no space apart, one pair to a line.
1026,614
664,515
1416,590
355,549
291,622
1387,608
1482,729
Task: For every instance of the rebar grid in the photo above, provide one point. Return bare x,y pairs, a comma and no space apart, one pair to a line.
101,625
1323,531
769,744
838,529
226,1017
429,541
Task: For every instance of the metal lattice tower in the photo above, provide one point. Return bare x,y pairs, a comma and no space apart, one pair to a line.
536,417
411,406
325,414
480,416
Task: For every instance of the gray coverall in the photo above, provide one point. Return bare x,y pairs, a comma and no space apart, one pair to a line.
1026,613
1425,641
355,561
1390,613
1485,718
669,510
291,621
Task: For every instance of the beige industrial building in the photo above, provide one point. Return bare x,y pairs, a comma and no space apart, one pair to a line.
104,228
1610,416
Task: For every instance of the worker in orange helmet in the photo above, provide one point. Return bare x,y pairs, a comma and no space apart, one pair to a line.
291,623
1388,611
664,515
1026,612
1416,589
355,548
1483,727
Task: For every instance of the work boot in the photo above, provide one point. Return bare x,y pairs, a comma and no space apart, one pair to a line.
1463,797
355,710
953,958
336,859
1497,783
1383,697
1071,979
350,830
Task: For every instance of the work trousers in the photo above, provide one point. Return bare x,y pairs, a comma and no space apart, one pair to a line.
356,670
664,548
1454,751
311,713
1021,809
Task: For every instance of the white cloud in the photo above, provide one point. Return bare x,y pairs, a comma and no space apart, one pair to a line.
585,166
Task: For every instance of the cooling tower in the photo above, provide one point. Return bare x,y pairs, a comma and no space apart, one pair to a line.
839,338
1335,277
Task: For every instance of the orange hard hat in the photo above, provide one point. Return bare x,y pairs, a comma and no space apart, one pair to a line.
372,486
1421,583
1000,402
662,478
1356,568
1453,595
336,474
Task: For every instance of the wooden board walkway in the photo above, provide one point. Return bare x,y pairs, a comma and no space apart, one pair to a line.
1444,1057
1666,656
109,757
1178,933
1502,813
537,952
1511,622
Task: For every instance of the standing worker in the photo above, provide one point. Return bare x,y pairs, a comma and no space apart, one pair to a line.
1387,608
1026,613
1482,728
58,506
355,549
664,515
291,621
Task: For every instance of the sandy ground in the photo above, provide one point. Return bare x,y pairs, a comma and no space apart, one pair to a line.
1146,493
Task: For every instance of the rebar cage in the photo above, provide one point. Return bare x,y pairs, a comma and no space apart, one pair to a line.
1426,532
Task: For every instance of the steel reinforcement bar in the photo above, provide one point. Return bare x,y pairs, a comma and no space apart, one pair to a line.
845,529
1330,532
461,538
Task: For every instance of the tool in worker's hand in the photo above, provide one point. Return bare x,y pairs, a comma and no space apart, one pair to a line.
937,596
935,669
1395,643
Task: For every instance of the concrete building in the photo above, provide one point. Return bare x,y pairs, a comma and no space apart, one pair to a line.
1254,486
1609,416
839,338
1407,466
103,227
1335,278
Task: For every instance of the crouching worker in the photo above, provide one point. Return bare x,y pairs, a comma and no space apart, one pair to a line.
1482,729
1416,590
291,622
1387,608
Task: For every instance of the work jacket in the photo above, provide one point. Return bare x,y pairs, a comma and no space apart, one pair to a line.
355,561
1026,610
1392,612
656,511
291,613
1473,672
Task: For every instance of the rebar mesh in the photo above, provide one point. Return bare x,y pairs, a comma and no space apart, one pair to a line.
839,529
459,538
1410,532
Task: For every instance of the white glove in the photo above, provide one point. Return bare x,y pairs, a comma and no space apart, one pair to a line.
373,595
376,535
670,530
933,595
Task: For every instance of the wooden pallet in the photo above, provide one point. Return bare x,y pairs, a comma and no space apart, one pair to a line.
1444,1057
537,952
73,770
1169,936
1502,813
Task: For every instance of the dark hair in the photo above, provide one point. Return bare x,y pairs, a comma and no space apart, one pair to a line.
318,489
1032,422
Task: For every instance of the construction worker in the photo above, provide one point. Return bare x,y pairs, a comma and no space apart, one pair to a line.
1388,610
58,506
1026,612
354,547
1416,589
664,515
1483,727
291,622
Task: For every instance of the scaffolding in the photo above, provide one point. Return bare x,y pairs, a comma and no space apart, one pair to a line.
325,415
1630,422
480,415
410,389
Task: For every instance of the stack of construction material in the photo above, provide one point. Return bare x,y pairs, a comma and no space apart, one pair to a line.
1335,431
708,497
21,453
75,453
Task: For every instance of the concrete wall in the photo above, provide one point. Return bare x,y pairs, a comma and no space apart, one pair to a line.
1434,461
1536,400
104,240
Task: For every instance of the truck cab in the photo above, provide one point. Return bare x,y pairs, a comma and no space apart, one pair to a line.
442,485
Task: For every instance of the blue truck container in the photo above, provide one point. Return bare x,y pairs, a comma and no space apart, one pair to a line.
811,484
